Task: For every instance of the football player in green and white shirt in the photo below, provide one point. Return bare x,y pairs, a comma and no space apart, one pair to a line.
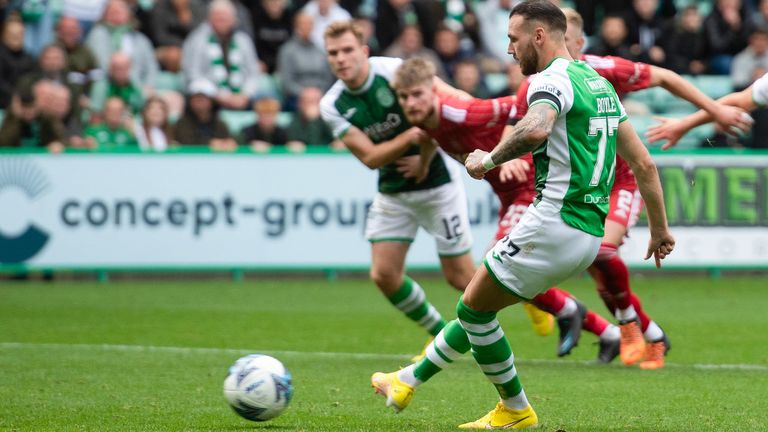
574,126
414,192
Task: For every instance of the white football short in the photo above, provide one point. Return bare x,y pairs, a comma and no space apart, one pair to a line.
541,251
441,211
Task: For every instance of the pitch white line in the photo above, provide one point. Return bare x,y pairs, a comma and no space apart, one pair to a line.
332,354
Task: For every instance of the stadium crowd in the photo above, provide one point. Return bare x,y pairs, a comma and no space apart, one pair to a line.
104,74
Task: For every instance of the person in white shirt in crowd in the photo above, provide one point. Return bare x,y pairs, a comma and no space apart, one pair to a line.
324,12
153,131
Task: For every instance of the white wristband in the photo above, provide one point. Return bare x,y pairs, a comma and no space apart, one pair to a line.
488,162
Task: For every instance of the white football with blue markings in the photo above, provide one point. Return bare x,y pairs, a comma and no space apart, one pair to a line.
258,387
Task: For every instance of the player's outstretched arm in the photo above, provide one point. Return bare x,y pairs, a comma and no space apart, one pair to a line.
726,116
671,130
377,155
634,152
526,136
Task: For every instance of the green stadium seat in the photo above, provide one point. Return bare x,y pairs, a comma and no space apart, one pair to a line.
714,86
237,120
495,82
169,81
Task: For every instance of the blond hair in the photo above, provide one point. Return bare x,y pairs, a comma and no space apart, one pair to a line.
413,72
574,18
339,28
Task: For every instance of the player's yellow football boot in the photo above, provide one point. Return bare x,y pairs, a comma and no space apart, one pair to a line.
502,417
398,393
632,343
654,356
423,353
542,322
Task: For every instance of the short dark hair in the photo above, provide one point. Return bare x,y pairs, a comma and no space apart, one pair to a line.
543,11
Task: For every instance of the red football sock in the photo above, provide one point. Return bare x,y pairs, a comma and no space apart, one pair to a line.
644,318
614,274
595,324
551,300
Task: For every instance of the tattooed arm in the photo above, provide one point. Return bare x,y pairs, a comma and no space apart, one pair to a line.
526,136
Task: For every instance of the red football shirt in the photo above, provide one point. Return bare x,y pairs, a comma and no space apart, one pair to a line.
470,124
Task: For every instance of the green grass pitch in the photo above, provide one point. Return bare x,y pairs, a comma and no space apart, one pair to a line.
151,356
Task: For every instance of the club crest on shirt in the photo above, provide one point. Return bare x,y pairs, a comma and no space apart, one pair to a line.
385,97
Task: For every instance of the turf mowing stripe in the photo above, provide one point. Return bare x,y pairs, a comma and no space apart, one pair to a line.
331,354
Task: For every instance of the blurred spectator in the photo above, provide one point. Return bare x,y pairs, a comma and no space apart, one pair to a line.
14,61
39,18
307,128
118,83
86,12
265,133
116,34
684,44
612,40
200,124
24,125
153,132
588,9
302,64
82,66
726,33
760,19
54,100
493,17
449,50
644,29
752,63
410,44
469,79
52,67
172,21
393,15
368,27
324,12
222,55
112,132
515,77
272,21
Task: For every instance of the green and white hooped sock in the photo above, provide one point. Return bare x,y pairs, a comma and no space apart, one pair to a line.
493,354
412,301
450,344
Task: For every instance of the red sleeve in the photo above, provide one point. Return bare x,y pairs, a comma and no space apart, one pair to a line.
521,102
476,112
625,75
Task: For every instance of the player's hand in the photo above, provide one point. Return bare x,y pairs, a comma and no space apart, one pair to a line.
733,120
474,164
669,130
660,245
411,167
516,169
415,135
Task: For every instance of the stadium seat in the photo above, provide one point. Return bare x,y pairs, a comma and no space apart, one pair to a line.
237,120
714,86
495,82
169,81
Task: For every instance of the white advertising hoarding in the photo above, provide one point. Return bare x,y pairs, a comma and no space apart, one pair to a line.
285,211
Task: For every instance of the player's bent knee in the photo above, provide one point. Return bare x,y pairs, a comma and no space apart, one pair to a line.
387,280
